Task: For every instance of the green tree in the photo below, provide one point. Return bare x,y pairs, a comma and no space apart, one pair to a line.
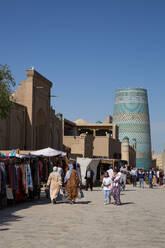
7,84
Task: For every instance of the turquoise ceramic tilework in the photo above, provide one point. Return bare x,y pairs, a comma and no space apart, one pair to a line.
131,114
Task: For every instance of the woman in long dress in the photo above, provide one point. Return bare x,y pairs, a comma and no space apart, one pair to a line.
72,182
154,179
161,178
55,183
116,188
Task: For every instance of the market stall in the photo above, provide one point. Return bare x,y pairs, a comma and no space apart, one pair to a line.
21,176
48,152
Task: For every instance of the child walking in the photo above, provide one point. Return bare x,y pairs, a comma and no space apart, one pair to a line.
107,188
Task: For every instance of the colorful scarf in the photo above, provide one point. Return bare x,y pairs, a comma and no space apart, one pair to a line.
69,172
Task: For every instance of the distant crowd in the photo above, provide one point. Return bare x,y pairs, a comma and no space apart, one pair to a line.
115,179
152,177
113,182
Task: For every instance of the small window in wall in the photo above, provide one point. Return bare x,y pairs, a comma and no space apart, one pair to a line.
87,131
102,132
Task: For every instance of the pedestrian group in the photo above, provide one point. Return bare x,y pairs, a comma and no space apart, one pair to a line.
114,181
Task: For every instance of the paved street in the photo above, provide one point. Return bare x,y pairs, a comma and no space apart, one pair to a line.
138,222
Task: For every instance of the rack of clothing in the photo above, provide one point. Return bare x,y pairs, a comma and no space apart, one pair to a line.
22,176
20,179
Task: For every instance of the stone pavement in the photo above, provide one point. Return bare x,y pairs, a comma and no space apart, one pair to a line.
138,222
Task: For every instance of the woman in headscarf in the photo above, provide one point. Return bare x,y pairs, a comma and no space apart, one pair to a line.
55,182
72,182
116,188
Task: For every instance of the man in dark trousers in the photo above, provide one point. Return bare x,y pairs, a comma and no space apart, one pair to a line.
89,178
150,177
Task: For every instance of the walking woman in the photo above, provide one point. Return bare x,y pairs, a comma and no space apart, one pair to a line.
72,182
161,174
116,188
154,179
55,182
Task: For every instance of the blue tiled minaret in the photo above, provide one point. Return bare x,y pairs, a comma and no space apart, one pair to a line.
131,114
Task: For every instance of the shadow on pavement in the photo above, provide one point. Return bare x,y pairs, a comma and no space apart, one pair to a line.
83,202
127,203
8,215
3,229
69,202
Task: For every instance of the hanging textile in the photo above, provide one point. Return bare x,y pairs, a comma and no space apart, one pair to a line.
29,182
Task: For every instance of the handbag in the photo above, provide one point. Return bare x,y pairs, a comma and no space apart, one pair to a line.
47,192
80,193
111,186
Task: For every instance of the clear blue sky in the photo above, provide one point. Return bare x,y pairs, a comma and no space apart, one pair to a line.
89,48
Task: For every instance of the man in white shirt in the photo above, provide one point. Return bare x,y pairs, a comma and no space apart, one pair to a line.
134,176
157,176
123,171
110,172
